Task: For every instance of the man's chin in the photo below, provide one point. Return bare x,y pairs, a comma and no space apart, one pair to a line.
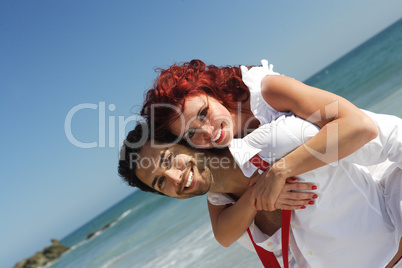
190,195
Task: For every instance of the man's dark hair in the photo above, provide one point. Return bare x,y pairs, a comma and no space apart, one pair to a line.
129,157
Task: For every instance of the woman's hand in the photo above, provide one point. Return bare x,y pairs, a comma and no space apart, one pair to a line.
271,193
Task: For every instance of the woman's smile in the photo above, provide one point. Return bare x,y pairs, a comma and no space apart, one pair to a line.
204,123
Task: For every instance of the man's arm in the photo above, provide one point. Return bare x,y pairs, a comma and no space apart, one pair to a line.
229,223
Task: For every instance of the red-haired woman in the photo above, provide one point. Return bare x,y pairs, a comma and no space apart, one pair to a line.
209,106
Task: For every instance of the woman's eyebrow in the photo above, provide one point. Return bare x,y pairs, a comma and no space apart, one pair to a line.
197,116
205,105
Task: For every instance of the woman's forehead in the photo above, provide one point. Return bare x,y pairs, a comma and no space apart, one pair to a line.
201,98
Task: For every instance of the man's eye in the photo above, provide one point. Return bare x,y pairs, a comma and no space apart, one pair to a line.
167,164
160,182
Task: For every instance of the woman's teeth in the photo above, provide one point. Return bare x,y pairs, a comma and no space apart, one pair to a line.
219,135
190,179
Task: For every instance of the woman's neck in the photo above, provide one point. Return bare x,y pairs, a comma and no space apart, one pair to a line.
244,120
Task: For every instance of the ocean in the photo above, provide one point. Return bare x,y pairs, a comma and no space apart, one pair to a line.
146,230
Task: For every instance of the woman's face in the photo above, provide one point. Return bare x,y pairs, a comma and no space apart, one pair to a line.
204,123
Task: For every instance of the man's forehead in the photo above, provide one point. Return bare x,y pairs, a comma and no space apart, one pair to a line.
150,159
147,161
153,147
152,151
151,154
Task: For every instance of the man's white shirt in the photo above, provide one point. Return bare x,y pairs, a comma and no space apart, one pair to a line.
350,224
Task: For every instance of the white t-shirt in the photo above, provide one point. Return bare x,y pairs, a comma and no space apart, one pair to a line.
350,213
282,136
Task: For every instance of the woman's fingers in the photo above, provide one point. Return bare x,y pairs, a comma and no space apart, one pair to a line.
287,207
291,180
291,204
300,186
298,196
294,196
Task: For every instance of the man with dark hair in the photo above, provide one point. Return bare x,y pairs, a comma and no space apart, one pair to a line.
129,154
348,196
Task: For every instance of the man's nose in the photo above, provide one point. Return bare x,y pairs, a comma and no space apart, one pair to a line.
174,175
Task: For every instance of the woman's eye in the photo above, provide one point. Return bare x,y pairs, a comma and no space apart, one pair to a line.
190,133
203,114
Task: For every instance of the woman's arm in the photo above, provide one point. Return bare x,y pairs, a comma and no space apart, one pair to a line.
229,223
344,129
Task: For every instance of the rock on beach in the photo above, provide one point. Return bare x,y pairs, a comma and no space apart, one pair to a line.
41,258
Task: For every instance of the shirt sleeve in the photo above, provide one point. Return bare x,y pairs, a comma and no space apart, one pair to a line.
280,137
386,146
219,199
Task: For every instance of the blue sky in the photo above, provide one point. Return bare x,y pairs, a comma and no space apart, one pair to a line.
57,56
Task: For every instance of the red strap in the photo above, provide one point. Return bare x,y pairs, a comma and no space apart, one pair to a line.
267,258
286,215
257,161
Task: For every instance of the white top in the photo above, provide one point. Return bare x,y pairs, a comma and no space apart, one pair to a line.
335,231
252,78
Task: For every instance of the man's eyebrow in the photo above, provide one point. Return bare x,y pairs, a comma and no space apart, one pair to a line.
154,182
162,157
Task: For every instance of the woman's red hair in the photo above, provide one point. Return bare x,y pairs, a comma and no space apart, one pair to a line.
175,84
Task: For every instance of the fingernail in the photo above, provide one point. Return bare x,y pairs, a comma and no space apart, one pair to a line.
303,207
315,196
314,187
311,202
256,210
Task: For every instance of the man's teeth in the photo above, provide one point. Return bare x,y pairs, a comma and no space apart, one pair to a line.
190,179
219,135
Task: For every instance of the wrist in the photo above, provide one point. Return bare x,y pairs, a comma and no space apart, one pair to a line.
248,202
281,169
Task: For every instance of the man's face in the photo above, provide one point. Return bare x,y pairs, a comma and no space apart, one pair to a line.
176,171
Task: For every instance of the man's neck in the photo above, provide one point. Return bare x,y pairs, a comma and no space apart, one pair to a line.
226,175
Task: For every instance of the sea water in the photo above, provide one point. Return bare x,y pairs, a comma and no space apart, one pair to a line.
146,230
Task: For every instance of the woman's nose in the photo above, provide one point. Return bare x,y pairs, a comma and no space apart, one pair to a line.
207,130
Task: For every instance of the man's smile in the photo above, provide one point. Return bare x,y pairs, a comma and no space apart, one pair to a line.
189,179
